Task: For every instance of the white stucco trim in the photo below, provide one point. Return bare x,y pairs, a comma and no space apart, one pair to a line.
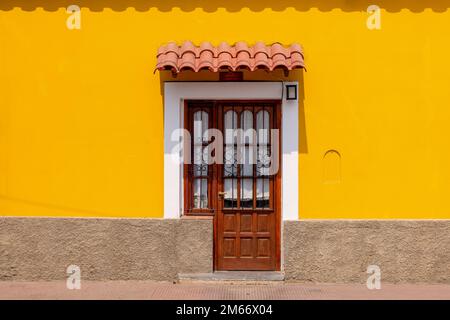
174,95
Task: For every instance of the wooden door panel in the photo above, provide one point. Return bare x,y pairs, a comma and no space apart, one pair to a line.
253,243
263,223
246,248
253,231
229,247
229,224
246,222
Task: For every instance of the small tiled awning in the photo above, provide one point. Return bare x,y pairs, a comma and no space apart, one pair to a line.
240,56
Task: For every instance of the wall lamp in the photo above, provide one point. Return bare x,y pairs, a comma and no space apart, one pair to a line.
291,92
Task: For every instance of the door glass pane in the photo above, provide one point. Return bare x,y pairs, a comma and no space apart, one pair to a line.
200,167
230,161
263,126
247,161
246,120
200,190
230,124
262,193
200,126
247,193
247,127
263,163
230,189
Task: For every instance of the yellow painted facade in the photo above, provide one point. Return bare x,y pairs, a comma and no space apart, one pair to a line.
81,112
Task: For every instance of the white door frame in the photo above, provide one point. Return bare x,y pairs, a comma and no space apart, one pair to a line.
175,93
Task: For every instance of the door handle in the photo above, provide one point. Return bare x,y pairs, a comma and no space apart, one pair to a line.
221,194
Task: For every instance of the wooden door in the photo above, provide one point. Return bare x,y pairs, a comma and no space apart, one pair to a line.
242,193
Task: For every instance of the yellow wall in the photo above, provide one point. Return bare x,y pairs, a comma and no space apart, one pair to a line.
81,117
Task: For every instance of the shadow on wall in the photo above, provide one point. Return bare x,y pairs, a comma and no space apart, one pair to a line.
258,75
229,5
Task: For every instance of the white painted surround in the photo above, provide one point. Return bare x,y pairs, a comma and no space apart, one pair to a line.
174,95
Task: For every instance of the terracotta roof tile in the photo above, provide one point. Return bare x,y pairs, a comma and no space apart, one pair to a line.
187,56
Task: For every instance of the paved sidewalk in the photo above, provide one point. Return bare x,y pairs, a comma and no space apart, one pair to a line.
221,291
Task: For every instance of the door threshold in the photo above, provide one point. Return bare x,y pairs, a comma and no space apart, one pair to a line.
233,276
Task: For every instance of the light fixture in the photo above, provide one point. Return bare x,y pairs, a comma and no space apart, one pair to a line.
291,92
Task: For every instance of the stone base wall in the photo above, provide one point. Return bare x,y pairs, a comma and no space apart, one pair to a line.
339,251
320,251
104,249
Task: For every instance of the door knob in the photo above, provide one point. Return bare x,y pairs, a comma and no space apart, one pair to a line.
221,194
